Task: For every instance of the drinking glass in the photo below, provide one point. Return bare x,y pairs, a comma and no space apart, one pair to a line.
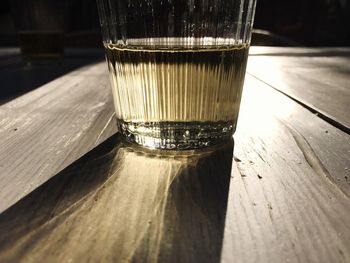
40,26
177,68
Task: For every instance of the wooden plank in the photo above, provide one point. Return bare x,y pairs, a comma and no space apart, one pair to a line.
19,78
320,82
123,205
49,128
314,136
142,199
289,200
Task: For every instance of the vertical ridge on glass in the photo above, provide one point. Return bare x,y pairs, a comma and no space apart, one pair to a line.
177,68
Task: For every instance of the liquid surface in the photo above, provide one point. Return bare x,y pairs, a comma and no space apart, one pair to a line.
177,84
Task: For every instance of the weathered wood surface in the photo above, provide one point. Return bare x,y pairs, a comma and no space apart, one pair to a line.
318,78
120,205
284,205
18,77
288,199
325,147
47,129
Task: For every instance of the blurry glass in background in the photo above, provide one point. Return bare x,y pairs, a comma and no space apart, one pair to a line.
40,25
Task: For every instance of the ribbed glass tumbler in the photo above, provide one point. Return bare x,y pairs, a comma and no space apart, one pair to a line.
177,68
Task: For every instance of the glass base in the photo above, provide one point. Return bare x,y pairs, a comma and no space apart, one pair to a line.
176,135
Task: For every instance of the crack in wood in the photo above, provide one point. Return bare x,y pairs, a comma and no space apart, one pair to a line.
311,158
318,113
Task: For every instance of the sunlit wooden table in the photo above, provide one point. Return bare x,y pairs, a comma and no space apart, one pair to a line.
71,191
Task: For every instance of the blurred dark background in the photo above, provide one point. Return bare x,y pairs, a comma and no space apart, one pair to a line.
277,22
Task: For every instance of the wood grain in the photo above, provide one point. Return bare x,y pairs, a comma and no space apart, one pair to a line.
315,136
47,129
317,80
118,204
284,205
122,205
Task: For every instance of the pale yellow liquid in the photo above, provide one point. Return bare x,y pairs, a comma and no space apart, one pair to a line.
177,85
153,87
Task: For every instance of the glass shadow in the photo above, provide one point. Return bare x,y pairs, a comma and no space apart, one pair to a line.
119,203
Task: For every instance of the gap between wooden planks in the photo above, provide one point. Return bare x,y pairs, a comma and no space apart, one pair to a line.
290,199
316,78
